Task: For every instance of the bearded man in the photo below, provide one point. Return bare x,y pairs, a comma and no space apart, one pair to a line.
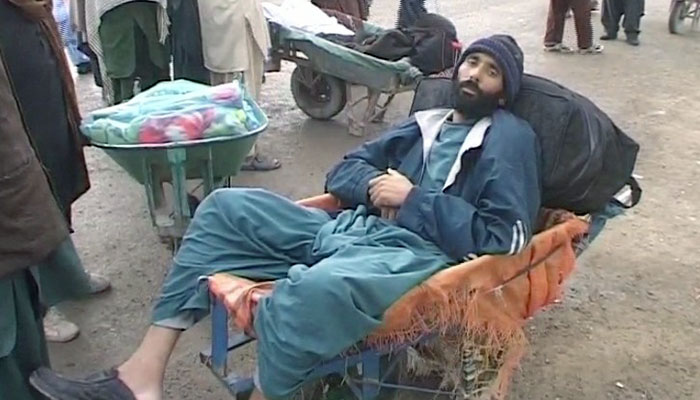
437,189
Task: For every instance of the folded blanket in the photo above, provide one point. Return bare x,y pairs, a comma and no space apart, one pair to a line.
176,111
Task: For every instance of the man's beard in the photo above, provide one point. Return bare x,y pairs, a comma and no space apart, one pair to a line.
475,106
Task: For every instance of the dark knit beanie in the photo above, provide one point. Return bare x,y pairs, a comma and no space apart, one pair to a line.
506,52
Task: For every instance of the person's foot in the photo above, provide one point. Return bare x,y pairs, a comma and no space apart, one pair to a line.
57,328
595,49
609,36
260,162
632,40
84,68
595,5
558,48
98,283
104,385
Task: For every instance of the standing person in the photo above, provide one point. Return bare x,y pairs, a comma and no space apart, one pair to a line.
76,10
595,5
132,41
186,42
235,42
556,19
69,37
42,83
39,266
613,10
127,40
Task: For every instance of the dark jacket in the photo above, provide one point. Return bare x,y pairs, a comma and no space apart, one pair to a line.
31,223
34,72
491,206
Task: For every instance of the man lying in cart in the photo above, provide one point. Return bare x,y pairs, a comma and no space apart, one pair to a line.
446,185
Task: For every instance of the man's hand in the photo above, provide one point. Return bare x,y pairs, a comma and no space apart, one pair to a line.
389,190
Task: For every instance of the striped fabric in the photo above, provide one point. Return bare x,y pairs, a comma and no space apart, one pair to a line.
520,238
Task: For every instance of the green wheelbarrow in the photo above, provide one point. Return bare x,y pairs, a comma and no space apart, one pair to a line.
213,160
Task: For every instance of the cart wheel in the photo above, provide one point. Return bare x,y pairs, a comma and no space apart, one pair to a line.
678,14
318,95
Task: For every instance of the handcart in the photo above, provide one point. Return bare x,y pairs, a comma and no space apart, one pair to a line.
362,373
325,72
682,10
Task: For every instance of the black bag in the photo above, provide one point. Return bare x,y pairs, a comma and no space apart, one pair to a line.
429,43
587,159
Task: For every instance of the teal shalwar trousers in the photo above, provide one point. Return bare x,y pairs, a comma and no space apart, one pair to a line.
335,277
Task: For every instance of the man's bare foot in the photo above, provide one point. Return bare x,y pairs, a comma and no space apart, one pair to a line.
141,390
140,381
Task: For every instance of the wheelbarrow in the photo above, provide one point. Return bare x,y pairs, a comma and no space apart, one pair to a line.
325,73
682,10
372,372
174,132
213,160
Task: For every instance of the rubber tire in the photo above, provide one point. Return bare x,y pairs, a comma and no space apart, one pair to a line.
674,20
334,102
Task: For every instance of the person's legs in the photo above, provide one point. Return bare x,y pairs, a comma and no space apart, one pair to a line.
250,233
186,41
247,232
634,10
152,57
147,72
219,78
140,377
123,89
116,36
318,312
22,345
582,20
57,328
68,36
23,298
555,24
76,56
584,27
144,371
610,18
253,79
